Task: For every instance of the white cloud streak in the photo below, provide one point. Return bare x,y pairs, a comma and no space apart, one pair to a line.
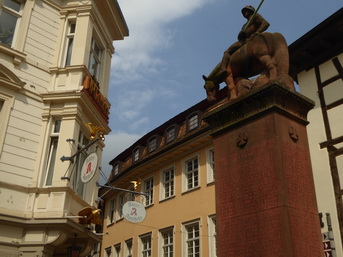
136,56
136,64
116,142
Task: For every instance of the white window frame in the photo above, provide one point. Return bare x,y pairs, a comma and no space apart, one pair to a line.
128,248
116,169
148,189
194,173
167,186
166,244
152,144
145,245
7,104
52,152
210,164
171,134
191,240
93,55
108,251
69,42
212,239
96,249
117,250
136,154
111,214
193,121
14,13
120,202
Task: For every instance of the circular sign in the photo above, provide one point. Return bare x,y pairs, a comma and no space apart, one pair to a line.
134,211
89,167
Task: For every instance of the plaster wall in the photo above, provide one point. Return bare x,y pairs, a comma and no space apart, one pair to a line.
194,205
317,135
36,88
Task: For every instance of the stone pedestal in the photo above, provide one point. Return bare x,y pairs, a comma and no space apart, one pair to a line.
265,198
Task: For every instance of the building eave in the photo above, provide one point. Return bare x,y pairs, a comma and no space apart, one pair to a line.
318,45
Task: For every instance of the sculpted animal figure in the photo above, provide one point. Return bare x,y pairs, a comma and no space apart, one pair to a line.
265,54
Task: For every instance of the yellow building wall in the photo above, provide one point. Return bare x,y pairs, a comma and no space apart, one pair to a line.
183,207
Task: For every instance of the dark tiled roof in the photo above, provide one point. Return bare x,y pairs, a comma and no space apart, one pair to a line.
180,120
318,45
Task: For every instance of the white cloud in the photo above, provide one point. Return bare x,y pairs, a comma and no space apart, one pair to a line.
136,55
139,123
116,142
136,64
130,103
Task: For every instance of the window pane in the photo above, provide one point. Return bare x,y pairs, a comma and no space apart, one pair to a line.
116,169
96,50
168,181
149,191
167,246
192,240
94,58
152,144
69,50
136,157
171,134
51,161
57,126
72,28
193,122
1,104
15,5
7,26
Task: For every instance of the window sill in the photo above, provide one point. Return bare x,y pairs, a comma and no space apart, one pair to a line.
18,57
110,225
191,190
149,206
167,198
210,183
120,219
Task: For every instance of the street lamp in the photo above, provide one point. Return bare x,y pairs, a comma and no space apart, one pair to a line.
74,250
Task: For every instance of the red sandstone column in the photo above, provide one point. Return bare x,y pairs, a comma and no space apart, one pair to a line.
265,198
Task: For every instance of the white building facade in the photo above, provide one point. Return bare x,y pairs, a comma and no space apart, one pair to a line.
316,62
55,58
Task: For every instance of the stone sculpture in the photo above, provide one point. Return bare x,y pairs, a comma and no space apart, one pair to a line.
266,55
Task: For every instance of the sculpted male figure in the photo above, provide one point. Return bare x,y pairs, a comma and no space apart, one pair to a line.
255,24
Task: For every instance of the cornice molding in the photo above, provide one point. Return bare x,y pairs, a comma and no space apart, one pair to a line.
268,98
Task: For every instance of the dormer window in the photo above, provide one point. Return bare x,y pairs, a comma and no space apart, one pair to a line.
171,134
193,121
152,144
116,169
136,154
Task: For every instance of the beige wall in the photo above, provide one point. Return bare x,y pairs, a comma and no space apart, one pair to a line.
316,134
36,88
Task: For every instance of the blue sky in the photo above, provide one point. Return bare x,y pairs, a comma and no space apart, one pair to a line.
156,71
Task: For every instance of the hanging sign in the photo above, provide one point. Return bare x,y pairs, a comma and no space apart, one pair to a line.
89,167
134,211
